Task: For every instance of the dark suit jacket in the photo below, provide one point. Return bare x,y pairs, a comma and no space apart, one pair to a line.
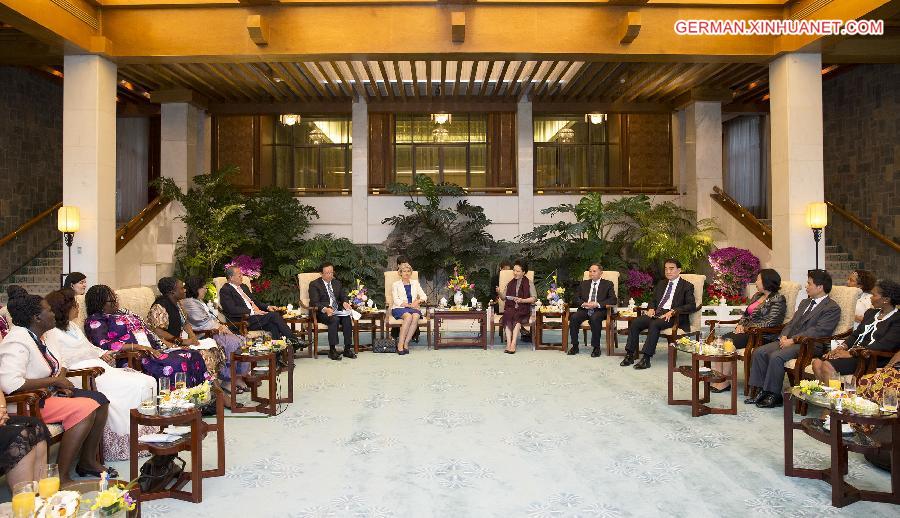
318,294
606,294
682,300
821,321
233,306
886,336
768,314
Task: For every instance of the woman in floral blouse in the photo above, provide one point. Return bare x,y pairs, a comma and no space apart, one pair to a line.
111,328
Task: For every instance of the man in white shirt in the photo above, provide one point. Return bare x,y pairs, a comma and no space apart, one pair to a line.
327,295
237,302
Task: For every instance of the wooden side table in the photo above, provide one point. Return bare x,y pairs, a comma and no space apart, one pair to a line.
369,321
479,316
191,443
613,332
842,493
540,324
306,328
698,404
266,405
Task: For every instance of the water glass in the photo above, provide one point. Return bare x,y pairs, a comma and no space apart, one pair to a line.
164,386
148,402
180,380
48,484
850,385
889,399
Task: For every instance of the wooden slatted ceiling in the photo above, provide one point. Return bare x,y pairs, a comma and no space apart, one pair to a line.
399,80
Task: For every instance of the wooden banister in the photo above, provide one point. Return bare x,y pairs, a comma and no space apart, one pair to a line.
28,224
127,232
744,216
859,223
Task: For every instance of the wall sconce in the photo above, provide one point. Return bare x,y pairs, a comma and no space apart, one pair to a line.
817,219
68,221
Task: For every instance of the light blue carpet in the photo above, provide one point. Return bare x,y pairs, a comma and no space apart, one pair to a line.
462,433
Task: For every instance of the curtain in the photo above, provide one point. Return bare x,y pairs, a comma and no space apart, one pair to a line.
501,137
381,150
132,158
746,164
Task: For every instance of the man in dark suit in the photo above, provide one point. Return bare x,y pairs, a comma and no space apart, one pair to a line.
237,302
817,316
672,296
591,299
328,297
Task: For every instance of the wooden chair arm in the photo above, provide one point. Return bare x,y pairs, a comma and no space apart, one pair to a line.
28,400
132,357
88,376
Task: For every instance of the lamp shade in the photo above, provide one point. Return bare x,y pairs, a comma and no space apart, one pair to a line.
817,215
68,219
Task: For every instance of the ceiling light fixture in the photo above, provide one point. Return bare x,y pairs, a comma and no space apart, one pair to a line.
595,118
289,119
441,118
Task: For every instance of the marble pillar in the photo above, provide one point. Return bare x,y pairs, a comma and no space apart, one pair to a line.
795,86
701,155
360,176
525,166
89,163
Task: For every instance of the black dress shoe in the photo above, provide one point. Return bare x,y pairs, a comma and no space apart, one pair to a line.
719,390
770,401
752,400
595,353
348,352
643,363
628,360
573,351
334,355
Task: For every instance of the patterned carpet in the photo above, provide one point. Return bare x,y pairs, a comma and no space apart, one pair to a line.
462,433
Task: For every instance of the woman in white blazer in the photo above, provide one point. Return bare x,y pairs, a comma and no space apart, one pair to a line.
408,296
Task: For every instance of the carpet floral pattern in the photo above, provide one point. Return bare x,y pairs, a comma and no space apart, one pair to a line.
472,433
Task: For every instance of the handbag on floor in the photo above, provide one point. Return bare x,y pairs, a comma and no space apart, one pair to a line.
384,345
160,471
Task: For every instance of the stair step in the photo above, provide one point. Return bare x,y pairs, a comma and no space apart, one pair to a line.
832,249
842,265
833,257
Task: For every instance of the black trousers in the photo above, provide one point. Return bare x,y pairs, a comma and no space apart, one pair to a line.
654,327
333,322
739,339
596,321
272,322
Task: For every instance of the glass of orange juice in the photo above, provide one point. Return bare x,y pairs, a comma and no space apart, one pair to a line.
23,499
834,382
48,484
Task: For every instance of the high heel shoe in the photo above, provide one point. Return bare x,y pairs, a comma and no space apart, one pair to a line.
81,472
507,351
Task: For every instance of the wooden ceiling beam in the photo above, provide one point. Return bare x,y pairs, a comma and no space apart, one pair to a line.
342,81
226,79
601,80
428,78
575,90
329,84
702,75
248,81
443,77
300,80
456,81
310,78
210,91
550,70
360,86
499,84
400,84
471,86
553,84
267,83
387,80
289,80
487,78
371,79
527,86
513,86
413,66
665,74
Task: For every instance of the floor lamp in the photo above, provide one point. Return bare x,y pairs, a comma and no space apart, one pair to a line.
68,222
817,219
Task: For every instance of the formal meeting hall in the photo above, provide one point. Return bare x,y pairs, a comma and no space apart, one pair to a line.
449,258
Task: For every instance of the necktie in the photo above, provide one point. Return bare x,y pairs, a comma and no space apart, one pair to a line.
331,302
592,297
810,307
247,300
665,296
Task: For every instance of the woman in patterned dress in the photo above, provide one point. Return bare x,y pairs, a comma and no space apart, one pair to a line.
115,329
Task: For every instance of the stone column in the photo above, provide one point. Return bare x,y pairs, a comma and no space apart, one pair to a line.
795,86
525,166
181,145
360,176
89,164
701,154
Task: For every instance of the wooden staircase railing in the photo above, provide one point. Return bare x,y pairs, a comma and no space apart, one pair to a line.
127,232
762,231
28,224
859,223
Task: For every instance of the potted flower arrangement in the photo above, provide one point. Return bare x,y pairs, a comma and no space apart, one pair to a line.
359,295
639,285
733,268
555,294
113,501
457,284
249,266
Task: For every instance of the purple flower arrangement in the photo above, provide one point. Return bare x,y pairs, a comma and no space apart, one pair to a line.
733,269
249,266
639,285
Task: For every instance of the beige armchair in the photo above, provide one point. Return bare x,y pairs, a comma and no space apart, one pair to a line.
505,277
390,277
